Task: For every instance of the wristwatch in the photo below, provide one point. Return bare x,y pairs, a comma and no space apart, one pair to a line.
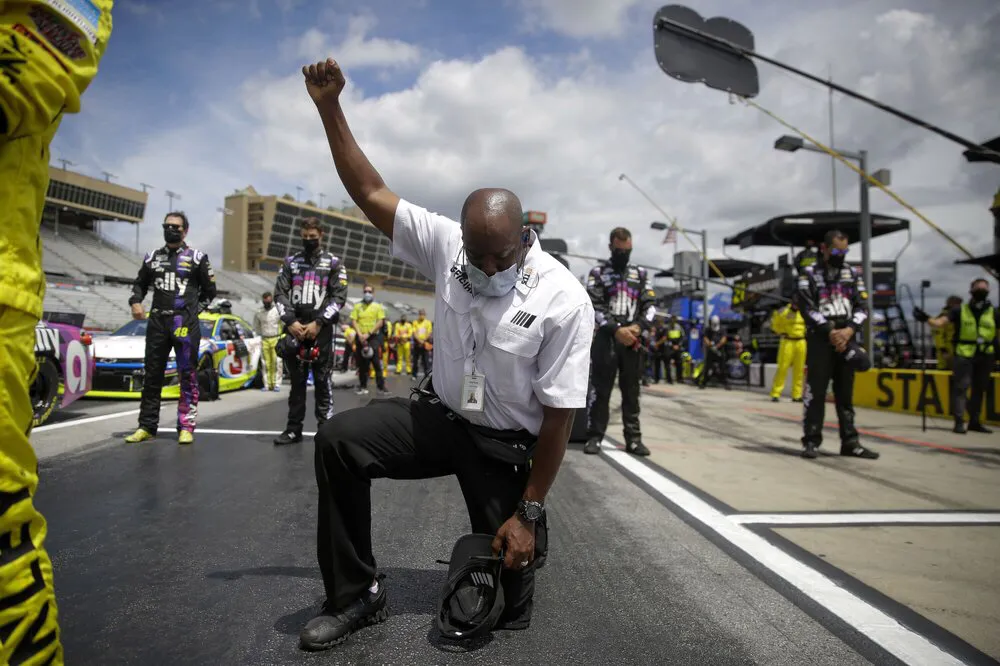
530,511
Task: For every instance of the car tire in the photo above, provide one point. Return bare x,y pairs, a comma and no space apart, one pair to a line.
258,380
44,392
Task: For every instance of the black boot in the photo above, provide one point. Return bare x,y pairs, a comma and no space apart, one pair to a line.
857,451
637,448
810,450
593,445
979,427
288,437
959,427
332,627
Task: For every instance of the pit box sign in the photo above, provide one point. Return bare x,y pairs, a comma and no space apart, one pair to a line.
899,391
883,285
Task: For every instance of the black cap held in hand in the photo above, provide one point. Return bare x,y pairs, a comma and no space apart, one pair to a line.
857,357
472,599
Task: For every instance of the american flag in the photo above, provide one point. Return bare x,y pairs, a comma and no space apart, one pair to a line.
671,236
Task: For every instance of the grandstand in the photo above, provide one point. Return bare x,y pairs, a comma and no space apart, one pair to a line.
92,275
89,274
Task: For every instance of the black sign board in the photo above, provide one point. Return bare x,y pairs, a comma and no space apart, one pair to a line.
883,287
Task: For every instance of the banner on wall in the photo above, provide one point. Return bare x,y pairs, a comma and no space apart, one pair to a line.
899,391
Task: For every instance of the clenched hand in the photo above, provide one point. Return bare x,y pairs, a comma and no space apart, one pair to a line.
324,81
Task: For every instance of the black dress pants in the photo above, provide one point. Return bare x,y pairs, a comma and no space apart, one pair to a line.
408,439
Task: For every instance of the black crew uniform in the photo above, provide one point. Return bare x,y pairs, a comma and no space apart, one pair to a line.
672,352
183,285
830,298
713,342
310,288
807,257
620,298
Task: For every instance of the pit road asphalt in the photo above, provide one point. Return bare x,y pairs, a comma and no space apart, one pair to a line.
206,555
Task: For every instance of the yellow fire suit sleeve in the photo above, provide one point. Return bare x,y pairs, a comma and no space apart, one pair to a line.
49,53
778,321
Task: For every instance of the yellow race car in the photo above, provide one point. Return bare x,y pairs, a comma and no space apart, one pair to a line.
229,358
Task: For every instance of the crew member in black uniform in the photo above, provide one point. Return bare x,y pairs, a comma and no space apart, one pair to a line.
624,305
183,285
713,342
807,257
673,350
831,295
309,293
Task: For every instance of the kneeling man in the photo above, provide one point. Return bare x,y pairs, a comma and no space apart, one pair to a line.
513,328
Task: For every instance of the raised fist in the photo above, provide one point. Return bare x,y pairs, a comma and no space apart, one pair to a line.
324,81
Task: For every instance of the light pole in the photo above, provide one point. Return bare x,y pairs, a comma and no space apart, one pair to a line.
321,197
791,144
661,226
172,196
108,176
298,193
145,187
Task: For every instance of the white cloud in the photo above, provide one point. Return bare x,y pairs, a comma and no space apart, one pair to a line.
357,47
559,131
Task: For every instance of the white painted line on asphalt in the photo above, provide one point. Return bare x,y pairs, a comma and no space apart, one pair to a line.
951,517
84,421
210,431
908,646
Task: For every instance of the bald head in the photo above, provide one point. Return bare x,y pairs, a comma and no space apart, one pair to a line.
491,229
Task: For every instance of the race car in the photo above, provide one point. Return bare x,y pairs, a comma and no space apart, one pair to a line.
65,361
229,358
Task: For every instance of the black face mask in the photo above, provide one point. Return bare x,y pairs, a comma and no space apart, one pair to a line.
979,295
172,234
836,260
268,305
310,245
619,258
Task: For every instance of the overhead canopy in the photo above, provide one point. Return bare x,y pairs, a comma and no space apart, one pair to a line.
976,156
989,261
730,268
796,229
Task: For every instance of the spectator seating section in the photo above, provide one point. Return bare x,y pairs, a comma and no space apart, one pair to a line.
79,263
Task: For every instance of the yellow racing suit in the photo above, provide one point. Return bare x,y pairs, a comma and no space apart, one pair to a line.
49,53
403,335
788,323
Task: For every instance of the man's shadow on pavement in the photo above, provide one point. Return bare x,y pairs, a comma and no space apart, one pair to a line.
411,592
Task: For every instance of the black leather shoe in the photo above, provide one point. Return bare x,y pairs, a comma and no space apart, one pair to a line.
331,628
858,451
810,451
593,445
979,427
636,448
959,428
287,437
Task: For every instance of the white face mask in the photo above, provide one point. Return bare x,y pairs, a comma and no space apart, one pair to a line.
492,286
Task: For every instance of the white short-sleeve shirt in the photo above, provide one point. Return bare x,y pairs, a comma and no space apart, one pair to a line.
532,345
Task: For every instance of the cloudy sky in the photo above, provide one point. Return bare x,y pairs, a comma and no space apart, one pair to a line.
553,99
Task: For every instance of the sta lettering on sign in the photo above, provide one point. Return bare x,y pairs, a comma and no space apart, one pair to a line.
900,391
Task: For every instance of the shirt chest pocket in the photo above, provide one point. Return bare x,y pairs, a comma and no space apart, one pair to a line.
452,328
511,362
